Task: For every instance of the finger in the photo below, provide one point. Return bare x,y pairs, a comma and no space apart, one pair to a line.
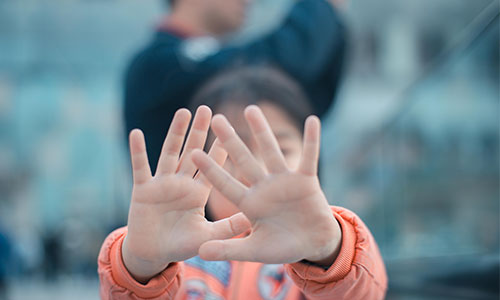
230,227
233,249
172,146
139,157
241,156
268,145
310,153
195,140
231,188
219,155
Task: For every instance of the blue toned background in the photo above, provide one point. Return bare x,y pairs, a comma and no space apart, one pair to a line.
412,144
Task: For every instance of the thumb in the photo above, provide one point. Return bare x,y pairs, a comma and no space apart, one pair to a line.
230,227
233,249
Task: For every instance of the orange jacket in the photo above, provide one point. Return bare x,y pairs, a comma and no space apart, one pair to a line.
357,273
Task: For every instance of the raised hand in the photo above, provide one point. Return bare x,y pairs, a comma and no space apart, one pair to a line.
290,216
166,220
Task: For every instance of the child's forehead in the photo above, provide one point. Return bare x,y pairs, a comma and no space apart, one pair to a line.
274,113
279,120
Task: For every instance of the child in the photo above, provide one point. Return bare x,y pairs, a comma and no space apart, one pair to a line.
275,236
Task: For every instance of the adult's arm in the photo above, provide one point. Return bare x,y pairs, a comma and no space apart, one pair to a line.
304,45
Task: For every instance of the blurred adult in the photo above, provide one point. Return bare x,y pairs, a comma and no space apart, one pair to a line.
188,48
5,256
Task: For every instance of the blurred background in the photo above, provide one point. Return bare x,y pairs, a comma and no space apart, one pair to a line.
411,145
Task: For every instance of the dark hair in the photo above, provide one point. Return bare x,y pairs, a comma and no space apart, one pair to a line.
170,3
251,85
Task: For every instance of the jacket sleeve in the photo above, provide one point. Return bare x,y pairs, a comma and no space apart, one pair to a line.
357,273
117,283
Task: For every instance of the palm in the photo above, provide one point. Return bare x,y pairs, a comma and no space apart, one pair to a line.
284,192
166,217
289,214
175,220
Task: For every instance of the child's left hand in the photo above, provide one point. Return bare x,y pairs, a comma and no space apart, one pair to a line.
290,216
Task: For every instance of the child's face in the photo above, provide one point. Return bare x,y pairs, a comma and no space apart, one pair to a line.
288,135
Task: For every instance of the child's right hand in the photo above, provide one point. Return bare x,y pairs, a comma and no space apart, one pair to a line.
166,220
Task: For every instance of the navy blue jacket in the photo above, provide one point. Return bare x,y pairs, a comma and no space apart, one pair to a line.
309,46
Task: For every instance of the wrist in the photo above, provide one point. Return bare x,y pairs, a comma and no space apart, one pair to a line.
329,249
139,268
